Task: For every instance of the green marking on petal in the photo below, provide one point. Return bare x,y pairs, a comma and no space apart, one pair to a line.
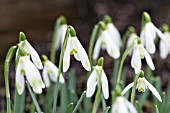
142,56
141,90
73,51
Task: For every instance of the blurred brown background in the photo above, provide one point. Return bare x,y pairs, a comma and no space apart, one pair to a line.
36,18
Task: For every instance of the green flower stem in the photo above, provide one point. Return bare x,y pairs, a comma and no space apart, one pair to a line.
59,70
122,62
54,40
7,63
134,88
97,98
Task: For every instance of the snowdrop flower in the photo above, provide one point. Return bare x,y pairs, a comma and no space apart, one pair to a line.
30,50
61,35
164,48
98,75
51,70
74,47
104,41
27,68
142,85
131,38
138,54
149,33
113,31
122,105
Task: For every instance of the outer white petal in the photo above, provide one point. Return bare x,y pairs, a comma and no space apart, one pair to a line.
150,45
91,83
127,88
111,48
130,106
153,90
105,87
34,55
20,82
97,48
115,35
162,36
33,76
83,55
142,36
148,59
63,32
121,105
136,61
130,40
66,58
151,28
45,77
164,50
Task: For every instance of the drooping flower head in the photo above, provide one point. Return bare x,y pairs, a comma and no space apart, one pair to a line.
60,34
97,76
142,85
164,48
50,70
105,41
139,53
75,48
149,33
122,105
113,31
30,50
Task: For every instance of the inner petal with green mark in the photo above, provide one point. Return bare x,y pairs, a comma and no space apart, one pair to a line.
73,51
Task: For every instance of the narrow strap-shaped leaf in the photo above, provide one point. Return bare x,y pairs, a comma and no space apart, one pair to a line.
64,98
103,102
19,102
139,107
106,110
34,99
7,63
69,108
79,102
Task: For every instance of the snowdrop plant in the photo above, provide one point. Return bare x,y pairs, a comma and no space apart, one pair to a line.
105,42
122,105
97,77
139,53
149,32
131,38
142,85
75,48
50,70
164,48
113,31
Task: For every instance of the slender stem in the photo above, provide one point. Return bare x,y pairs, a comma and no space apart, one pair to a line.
54,40
97,97
122,62
8,60
59,70
134,88
79,102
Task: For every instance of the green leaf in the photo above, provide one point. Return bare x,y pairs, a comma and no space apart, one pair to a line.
106,110
19,102
79,102
156,107
69,108
139,107
64,98
103,102
34,99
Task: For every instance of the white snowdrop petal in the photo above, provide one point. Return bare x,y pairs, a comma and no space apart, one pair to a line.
164,50
34,55
45,77
127,88
37,90
105,87
153,90
136,61
63,32
122,107
76,56
20,82
83,55
97,48
66,58
148,59
132,109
